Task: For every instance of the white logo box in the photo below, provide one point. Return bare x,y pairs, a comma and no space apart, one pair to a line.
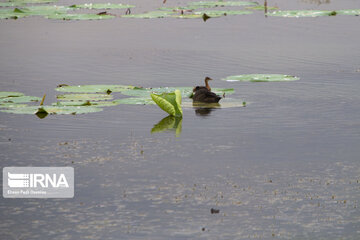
38,182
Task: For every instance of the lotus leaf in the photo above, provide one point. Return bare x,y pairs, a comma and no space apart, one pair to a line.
20,99
87,103
102,6
135,100
79,16
211,4
52,110
261,7
12,4
33,1
12,13
169,102
224,103
94,88
10,94
185,91
154,14
355,12
85,97
261,78
301,13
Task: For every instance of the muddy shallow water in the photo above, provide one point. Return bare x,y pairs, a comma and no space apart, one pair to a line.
286,166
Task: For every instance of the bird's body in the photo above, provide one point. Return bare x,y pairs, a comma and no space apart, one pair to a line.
204,94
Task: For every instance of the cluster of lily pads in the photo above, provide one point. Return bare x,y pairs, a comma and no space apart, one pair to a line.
13,9
92,98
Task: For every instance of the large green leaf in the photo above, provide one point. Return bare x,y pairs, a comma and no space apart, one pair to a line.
52,110
94,88
301,13
20,99
153,14
102,6
261,78
85,97
80,16
10,94
211,4
169,102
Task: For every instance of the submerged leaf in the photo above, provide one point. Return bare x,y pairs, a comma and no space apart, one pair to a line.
84,97
169,102
261,78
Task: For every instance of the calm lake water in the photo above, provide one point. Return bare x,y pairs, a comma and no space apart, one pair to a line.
286,166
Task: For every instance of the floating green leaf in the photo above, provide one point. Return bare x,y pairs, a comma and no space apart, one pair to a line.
211,4
185,91
20,99
177,8
354,12
301,13
224,103
79,16
12,13
33,1
12,4
168,123
261,7
102,6
52,110
218,13
10,94
85,97
154,14
261,78
11,105
87,103
169,102
94,88
135,100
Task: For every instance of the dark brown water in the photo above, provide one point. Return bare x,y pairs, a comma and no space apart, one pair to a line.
284,167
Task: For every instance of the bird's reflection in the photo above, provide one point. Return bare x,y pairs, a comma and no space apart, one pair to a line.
204,109
169,123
